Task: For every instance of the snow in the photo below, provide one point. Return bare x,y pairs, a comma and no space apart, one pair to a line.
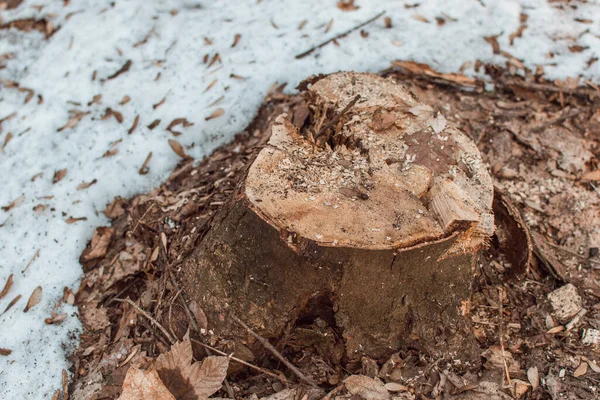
98,36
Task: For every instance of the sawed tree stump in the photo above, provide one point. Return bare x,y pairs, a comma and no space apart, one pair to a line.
372,213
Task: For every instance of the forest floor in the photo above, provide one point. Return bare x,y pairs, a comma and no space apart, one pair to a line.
535,309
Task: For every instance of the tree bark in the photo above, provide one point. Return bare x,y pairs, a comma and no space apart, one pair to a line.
369,217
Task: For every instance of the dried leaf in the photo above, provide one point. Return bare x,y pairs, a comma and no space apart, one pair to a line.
116,208
58,175
55,319
5,352
144,168
347,5
533,377
85,185
134,125
429,117
72,220
178,121
367,388
144,385
100,241
591,176
177,148
160,103
236,39
216,114
12,303
121,70
199,314
154,124
126,99
15,203
109,112
396,387
7,286
581,370
73,120
188,381
34,299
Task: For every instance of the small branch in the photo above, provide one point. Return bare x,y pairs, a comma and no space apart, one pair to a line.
341,35
151,319
238,360
337,117
273,350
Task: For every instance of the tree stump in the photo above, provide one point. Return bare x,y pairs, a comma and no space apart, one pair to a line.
370,216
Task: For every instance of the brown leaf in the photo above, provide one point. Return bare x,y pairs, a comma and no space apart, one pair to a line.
581,370
15,203
116,208
347,5
533,376
215,58
178,121
160,103
177,148
216,114
5,352
94,317
7,286
109,112
72,220
154,124
236,39
85,185
134,125
34,299
73,120
126,99
144,385
55,319
12,303
144,168
58,175
592,175
100,241
367,388
199,315
188,381
121,70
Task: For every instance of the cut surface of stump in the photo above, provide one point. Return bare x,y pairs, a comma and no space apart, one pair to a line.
368,217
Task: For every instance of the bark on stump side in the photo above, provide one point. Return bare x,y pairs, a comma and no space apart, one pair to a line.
372,213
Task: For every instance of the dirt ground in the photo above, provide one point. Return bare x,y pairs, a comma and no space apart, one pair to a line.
541,142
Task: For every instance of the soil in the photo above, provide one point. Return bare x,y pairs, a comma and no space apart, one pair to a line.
540,140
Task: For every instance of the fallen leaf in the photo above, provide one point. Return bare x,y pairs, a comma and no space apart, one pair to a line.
581,370
97,99
216,114
94,317
72,220
7,286
144,385
178,121
100,241
109,112
367,388
160,103
396,387
34,299
144,168
85,185
116,208
126,99
154,124
187,380
177,148
55,319
121,70
429,117
15,203
68,296
199,314
215,58
58,175
347,5
236,39
5,352
533,376
73,120
12,303
134,125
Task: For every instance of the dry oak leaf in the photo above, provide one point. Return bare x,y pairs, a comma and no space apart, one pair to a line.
367,388
425,113
187,380
100,242
144,385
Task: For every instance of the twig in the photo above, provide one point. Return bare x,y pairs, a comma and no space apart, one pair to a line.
341,35
32,260
501,310
238,360
273,350
335,119
151,319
